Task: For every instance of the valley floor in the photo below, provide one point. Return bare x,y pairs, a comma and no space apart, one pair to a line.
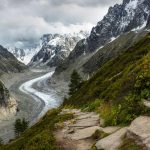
32,92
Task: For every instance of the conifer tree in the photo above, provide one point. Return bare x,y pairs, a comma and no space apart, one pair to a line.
17,127
1,142
20,126
75,82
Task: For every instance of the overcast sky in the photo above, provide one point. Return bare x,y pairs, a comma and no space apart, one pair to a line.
23,22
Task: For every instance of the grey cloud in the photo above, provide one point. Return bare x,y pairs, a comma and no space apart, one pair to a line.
85,3
26,21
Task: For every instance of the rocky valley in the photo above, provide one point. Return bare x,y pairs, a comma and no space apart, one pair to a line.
78,90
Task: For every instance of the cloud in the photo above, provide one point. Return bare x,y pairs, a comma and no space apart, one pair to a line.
85,3
24,22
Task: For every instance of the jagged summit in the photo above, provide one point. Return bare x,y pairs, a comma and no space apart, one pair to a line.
56,47
130,15
121,19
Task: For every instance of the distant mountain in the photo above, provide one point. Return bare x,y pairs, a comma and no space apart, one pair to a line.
9,63
24,55
130,16
56,48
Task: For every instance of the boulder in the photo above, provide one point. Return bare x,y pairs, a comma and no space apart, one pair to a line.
113,141
140,128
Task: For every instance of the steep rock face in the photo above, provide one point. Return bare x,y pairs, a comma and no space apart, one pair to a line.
8,63
77,52
131,15
55,48
8,105
4,95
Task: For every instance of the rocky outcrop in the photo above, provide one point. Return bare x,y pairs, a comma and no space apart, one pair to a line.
111,142
8,111
130,15
8,62
8,105
139,130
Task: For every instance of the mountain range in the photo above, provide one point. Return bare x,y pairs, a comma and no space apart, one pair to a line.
129,18
56,48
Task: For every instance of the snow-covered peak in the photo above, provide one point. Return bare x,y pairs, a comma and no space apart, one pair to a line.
24,55
56,47
55,42
61,39
131,15
131,5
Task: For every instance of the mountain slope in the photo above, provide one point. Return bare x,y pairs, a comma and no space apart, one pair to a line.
120,85
24,55
8,63
116,91
131,15
112,50
55,48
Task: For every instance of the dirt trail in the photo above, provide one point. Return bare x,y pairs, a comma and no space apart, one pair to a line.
76,134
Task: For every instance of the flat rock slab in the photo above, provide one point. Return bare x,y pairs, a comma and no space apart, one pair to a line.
87,115
110,130
113,141
141,128
84,133
89,122
75,111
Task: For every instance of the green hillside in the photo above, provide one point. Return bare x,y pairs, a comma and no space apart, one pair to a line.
116,91
39,137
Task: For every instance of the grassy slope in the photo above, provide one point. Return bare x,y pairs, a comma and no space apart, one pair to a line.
39,137
116,89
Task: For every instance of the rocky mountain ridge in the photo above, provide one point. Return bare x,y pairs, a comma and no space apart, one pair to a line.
56,48
130,16
8,62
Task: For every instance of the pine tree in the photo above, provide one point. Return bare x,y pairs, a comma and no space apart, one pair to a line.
75,82
24,124
1,142
20,126
17,127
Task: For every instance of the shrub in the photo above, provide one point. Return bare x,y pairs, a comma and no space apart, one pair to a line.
99,135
